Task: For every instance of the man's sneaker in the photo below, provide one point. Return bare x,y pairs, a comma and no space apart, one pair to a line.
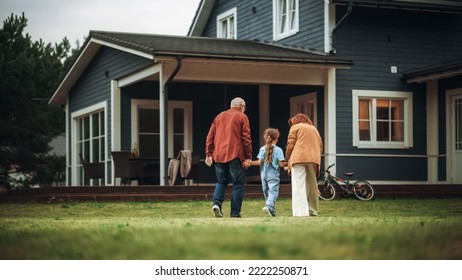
268,211
217,211
236,216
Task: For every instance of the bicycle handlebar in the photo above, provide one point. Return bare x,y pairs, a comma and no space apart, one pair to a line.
330,166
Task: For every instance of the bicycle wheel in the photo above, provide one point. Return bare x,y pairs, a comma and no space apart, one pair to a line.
326,191
363,190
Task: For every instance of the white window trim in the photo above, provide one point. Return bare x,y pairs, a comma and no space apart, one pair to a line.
408,113
276,11
76,115
225,16
172,104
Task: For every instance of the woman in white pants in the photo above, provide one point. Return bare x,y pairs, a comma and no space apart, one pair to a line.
303,153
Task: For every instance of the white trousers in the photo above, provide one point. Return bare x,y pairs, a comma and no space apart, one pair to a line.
305,197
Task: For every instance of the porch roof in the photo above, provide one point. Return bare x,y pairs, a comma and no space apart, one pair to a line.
152,46
437,71
205,47
451,6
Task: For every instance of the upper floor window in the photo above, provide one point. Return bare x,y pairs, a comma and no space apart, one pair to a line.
382,119
285,18
227,24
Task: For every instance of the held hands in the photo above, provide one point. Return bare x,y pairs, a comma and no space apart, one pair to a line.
247,163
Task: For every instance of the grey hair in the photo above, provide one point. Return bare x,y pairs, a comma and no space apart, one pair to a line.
236,102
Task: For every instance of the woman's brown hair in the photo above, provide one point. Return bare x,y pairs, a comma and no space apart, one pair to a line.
299,118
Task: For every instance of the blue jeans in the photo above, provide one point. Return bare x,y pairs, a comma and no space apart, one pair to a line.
270,179
230,172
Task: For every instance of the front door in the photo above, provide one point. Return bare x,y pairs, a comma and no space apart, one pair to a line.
456,139
305,104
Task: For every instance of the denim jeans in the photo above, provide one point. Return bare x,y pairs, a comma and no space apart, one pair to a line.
230,172
270,179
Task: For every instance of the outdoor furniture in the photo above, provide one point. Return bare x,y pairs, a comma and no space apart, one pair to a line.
125,169
129,168
183,168
194,172
92,170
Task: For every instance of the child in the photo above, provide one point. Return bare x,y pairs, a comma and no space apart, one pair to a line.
270,158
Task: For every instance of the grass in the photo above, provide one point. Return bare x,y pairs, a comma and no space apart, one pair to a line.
401,229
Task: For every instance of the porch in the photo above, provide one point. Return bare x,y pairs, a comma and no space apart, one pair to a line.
201,192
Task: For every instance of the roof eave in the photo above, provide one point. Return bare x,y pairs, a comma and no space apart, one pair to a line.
332,62
86,55
200,19
89,50
422,5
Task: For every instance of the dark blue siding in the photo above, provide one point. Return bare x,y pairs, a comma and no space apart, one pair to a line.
94,86
376,39
384,169
258,25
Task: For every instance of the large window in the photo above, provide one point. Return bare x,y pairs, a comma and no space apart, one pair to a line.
227,25
285,18
146,128
382,119
89,142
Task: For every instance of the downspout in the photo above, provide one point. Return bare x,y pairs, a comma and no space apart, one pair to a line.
336,27
164,123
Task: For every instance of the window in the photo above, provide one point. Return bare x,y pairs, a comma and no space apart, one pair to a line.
146,129
382,119
227,25
148,132
285,18
89,140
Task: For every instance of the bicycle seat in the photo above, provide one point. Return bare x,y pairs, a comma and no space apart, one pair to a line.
349,174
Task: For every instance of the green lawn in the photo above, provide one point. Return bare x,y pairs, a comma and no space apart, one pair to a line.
402,229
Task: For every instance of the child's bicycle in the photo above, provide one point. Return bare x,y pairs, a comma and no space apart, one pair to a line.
328,185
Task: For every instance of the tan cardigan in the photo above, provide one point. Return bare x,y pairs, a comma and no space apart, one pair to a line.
304,144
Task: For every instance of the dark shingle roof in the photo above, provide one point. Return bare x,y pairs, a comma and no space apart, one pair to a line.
449,68
452,6
215,48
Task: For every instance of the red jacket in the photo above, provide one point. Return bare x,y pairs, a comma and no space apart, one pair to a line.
229,137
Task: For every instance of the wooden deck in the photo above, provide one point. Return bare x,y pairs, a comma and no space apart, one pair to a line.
200,192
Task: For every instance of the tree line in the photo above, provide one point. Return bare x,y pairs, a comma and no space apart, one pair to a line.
30,72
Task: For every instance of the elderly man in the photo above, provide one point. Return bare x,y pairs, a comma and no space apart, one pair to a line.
229,144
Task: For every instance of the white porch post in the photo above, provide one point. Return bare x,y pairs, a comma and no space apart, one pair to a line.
432,131
115,123
330,122
163,125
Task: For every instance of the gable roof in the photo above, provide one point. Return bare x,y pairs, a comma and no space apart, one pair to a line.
151,45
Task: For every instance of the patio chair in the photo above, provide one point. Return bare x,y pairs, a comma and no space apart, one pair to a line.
182,168
92,170
126,169
194,171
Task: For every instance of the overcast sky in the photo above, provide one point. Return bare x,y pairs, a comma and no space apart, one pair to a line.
52,20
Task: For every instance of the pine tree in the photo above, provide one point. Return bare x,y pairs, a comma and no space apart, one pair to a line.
29,73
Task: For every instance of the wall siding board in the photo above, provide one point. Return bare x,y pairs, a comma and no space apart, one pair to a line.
383,169
259,25
94,87
404,39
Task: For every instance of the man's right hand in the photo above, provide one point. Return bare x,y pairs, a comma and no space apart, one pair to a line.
208,161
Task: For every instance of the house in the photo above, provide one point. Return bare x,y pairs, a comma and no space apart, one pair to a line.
382,81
